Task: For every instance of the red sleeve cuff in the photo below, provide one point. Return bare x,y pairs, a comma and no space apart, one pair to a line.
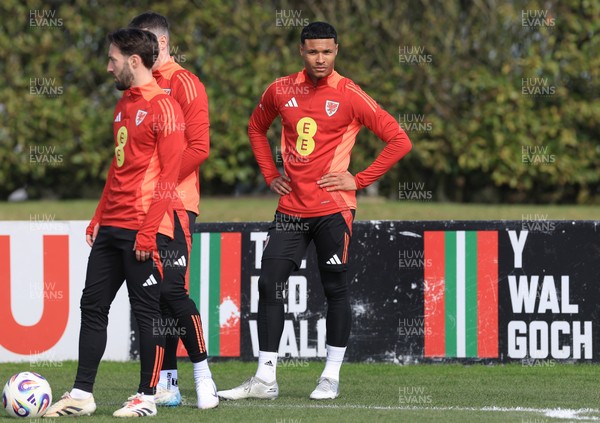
144,242
90,229
357,182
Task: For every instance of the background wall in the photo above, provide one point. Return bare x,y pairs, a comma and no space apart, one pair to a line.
497,290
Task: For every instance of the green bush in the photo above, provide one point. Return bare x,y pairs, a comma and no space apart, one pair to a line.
498,109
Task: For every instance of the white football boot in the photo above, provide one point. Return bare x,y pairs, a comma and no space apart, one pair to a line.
326,389
68,406
252,388
167,397
136,407
207,393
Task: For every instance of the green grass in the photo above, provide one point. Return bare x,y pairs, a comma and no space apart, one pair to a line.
247,209
369,392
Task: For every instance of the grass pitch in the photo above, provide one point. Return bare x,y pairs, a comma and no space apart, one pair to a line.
249,209
544,392
541,393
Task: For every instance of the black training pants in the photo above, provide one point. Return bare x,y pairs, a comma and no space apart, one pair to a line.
111,261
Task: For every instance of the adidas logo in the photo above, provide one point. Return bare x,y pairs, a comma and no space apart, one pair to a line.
181,261
269,363
292,103
118,118
334,260
150,281
31,399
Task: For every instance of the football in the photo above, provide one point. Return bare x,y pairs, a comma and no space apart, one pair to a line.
26,394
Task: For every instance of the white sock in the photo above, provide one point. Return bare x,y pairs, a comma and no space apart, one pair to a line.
149,398
201,370
79,394
168,380
335,357
267,366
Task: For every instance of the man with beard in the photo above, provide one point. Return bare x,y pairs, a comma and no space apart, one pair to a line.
140,188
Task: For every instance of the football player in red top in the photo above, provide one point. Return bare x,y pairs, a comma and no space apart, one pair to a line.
179,313
140,189
321,113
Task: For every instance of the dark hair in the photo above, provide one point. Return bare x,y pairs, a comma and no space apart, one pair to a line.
150,21
318,31
135,41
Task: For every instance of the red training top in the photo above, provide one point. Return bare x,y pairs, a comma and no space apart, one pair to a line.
142,179
319,126
189,92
